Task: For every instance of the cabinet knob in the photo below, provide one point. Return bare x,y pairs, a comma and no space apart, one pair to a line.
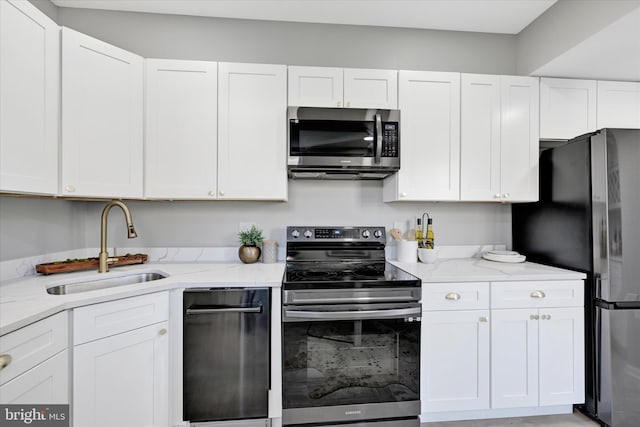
221,192
69,188
534,317
506,195
5,360
537,294
211,193
496,196
339,104
452,296
403,194
546,317
348,103
483,319
162,331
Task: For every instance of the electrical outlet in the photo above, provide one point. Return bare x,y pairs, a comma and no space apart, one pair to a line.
245,226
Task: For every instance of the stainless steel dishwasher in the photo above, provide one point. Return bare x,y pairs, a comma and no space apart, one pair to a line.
226,354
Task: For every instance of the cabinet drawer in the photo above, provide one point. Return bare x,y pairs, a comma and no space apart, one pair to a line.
114,317
33,344
530,294
47,383
455,296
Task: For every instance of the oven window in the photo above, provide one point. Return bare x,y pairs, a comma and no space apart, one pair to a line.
350,362
331,138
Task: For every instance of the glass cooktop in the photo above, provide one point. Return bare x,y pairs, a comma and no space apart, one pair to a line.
309,275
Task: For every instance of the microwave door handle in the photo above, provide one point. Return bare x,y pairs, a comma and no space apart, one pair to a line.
378,139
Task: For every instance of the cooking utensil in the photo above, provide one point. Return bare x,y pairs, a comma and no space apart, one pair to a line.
396,234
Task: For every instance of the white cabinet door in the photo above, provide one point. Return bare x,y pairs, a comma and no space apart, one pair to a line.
514,358
519,148
315,86
561,352
46,383
618,105
364,88
181,141
102,120
567,107
29,80
122,380
454,361
480,137
252,131
430,138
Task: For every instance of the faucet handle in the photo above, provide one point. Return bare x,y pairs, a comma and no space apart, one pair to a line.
112,260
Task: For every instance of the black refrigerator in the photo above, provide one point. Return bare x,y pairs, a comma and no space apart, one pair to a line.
588,219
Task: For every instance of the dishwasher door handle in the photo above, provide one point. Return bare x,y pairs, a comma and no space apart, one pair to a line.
192,311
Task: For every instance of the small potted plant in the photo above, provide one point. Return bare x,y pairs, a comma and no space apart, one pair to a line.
249,252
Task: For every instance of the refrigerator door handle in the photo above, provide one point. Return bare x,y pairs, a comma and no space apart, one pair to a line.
598,357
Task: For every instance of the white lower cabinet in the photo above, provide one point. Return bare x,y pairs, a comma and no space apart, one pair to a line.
35,363
522,352
122,379
455,347
537,357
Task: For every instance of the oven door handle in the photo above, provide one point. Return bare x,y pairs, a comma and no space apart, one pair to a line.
191,311
352,314
378,139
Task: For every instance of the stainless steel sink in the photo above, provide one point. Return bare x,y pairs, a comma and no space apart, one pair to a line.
92,285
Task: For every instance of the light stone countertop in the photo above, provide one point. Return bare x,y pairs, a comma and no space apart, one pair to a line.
25,300
481,270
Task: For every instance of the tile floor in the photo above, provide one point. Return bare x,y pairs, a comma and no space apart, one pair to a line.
569,420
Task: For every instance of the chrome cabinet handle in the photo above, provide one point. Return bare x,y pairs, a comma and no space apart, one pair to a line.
339,104
483,319
546,317
537,294
69,188
211,193
162,331
5,360
534,317
452,296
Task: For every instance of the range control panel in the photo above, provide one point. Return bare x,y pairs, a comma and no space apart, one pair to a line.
336,234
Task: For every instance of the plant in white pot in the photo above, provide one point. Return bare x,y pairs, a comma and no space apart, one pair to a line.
249,251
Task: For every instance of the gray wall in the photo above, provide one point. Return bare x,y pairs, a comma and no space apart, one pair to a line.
38,226
55,225
199,38
178,224
563,26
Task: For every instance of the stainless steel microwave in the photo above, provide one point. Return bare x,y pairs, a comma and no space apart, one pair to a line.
343,143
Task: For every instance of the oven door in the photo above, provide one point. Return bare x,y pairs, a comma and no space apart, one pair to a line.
347,362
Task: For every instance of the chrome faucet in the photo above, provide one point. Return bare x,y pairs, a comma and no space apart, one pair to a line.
131,233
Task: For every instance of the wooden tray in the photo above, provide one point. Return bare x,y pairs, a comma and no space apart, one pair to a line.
87,264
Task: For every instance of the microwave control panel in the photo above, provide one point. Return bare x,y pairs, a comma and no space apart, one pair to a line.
390,139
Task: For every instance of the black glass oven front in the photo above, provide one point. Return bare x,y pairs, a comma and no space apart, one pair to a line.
330,363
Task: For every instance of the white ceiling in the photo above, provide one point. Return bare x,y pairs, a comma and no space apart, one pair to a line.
486,16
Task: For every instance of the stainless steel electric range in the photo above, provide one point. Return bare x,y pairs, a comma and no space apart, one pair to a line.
351,331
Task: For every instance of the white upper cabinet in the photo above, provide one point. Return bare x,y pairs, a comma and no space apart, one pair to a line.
338,87
252,110
519,133
365,88
480,137
29,79
181,141
618,105
315,86
102,118
499,138
567,107
430,138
